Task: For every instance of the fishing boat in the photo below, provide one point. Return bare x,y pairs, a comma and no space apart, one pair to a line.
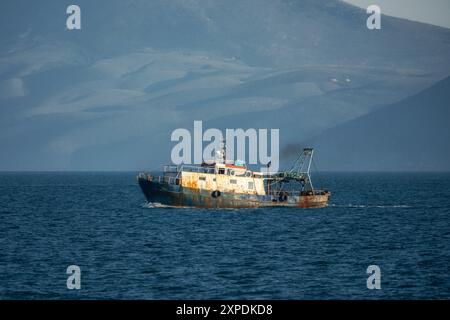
225,184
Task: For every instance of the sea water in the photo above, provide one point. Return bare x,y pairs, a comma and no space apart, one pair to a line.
127,249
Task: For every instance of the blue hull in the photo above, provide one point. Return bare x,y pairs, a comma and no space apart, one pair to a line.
178,196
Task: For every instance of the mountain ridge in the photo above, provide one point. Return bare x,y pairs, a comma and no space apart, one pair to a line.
410,135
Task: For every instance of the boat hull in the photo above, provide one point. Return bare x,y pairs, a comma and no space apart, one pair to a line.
178,196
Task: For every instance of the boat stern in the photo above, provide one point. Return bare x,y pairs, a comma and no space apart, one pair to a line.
314,199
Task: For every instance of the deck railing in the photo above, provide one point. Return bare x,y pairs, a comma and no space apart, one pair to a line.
296,192
175,180
187,168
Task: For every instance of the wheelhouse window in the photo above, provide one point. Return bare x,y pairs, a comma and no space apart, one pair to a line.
221,170
233,181
202,178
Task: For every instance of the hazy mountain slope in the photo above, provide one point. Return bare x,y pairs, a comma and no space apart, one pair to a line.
413,134
139,69
267,32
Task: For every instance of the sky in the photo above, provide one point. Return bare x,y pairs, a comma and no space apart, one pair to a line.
435,12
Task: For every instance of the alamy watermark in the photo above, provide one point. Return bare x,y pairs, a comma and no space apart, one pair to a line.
74,278
73,21
374,279
374,20
184,153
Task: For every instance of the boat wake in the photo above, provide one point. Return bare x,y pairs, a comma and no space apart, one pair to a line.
360,206
157,205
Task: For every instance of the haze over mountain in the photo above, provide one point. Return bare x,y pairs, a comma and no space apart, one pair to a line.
107,97
410,135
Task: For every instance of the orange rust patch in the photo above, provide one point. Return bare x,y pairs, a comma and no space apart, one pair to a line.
190,183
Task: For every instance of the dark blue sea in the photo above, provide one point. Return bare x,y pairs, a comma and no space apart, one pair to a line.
128,250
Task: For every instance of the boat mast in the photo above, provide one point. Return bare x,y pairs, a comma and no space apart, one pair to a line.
311,153
302,167
222,153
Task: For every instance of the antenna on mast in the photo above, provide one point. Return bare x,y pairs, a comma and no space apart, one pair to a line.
222,153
